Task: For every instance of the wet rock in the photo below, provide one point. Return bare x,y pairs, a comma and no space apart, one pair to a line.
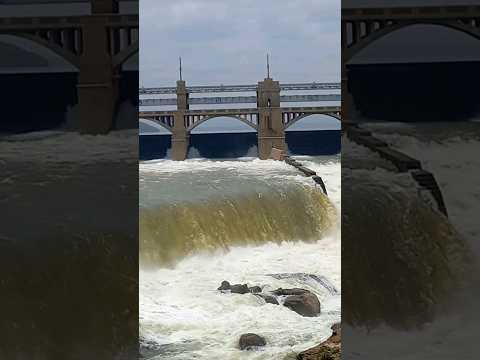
328,350
301,301
294,291
336,329
239,289
251,341
224,286
269,299
255,289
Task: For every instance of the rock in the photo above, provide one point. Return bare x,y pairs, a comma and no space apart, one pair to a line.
336,329
239,289
269,299
255,289
301,301
224,286
294,291
251,341
328,350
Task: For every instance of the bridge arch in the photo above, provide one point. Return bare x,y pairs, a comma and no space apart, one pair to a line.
207,118
40,47
157,124
363,42
303,116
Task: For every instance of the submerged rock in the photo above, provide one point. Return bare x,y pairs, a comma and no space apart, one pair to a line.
239,289
224,286
269,299
301,301
251,341
328,350
255,289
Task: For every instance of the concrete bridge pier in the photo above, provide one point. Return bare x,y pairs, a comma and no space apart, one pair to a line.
180,137
180,134
98,83
348,104
271,133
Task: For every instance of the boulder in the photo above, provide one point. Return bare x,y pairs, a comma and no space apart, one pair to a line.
251,341
301,301
336,329
255,289
328,350
224,286
239,289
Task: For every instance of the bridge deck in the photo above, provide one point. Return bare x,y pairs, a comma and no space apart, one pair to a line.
240,88
238,100
226,112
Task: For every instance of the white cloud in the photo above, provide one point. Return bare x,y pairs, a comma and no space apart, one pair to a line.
226,41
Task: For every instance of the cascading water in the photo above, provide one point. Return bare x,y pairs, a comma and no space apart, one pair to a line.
417,265
298,212
245,221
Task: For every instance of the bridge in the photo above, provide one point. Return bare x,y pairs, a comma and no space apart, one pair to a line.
240,88
269,119
363,26
96,44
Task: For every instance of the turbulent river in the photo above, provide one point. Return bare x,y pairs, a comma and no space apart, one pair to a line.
432,260
244,220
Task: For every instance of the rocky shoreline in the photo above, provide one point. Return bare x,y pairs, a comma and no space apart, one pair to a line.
304,303
330,349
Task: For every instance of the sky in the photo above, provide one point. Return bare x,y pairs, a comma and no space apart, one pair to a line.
226,41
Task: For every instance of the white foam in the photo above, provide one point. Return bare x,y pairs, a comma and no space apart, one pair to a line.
182,307
65,146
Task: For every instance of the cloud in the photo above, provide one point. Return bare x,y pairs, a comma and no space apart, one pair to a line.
225,41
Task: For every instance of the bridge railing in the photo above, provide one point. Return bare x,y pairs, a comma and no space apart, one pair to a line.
239,88
239,100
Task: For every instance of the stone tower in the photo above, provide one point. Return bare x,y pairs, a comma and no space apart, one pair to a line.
271,132
180,135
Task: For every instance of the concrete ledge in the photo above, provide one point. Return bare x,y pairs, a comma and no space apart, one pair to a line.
320,182
426,180
307,172
369,141
402,162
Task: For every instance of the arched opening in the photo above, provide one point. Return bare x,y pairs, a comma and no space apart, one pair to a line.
222,124
314,134
25,68
223,137
154,140
150,127
420,72
315,122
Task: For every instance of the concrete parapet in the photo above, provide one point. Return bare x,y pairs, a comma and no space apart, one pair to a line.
402,162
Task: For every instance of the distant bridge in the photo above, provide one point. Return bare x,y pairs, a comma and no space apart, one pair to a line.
240,88
193,118
239,100
268,118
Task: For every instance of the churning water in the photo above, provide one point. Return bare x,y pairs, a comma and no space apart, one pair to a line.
205,221
431,260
